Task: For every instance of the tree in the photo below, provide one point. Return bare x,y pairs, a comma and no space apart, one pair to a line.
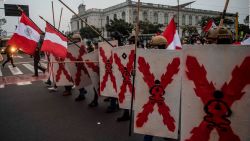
246,20
149,28
88,33
119,25
190,30
205,19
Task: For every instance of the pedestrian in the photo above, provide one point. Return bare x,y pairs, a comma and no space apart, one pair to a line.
9,53
37,58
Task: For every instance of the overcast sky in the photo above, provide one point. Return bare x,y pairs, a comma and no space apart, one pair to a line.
43,8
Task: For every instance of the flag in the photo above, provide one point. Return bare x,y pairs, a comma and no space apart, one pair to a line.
246,42
54,42
26,36
172,36
210,24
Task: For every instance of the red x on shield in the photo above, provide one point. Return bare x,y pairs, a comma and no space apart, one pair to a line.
157,91
108,70
80,66
62,69
217,103
126,74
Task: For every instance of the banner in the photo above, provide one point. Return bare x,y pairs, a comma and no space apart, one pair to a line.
157,92
78,70
107,79
123,67
216,93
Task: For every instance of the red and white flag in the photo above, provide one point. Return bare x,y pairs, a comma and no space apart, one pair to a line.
172,36
245,42
54,42
26,36
210,24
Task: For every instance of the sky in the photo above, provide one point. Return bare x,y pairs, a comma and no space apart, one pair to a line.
43,8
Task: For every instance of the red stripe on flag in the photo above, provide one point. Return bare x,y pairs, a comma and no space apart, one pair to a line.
51,29
54,48
170,31
25,20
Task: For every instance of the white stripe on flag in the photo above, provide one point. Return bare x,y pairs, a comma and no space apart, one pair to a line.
23,83
55,39
15,70
30,67
27,32
1,74
44,65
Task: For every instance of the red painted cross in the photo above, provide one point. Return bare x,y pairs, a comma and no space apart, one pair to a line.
126,74
217,103
80,66
108,69
157,91
62,69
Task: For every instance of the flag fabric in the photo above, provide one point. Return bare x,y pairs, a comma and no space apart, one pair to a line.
54,42
123,67
172,36
78,69
215,94
107,79
210,24
246,42
26,36
157,92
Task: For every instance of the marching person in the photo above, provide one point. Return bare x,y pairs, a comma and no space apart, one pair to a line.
9,53
37,58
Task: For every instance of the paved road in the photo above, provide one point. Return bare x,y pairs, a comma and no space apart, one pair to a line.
29,112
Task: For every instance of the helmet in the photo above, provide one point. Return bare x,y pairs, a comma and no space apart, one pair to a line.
158,41
219,35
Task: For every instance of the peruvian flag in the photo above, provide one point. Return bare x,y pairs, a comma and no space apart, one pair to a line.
210,24
246,42
26,36
172,36
54,42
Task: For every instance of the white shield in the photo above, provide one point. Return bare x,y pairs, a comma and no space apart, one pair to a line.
92,66
216,93
60,72
123,67
78,69
157,92
107,80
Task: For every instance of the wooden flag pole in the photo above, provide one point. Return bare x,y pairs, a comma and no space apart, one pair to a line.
59,32
86,23
223,14
60,19
134,71
53,13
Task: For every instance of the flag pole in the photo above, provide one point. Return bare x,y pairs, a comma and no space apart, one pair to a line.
53,13
86,23
59,31
223,14
134,70
20,9
60,19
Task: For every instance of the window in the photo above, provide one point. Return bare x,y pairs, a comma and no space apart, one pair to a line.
124,16
115,16
190,20
196,20
134,16
166,18
183,19
107,20
155,18
145,16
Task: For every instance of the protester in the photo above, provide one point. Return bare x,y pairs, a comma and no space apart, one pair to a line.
9,53
37,58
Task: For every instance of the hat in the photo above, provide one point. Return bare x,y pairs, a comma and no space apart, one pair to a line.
158,40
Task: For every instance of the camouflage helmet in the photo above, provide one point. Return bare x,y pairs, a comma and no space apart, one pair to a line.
158,41
219,35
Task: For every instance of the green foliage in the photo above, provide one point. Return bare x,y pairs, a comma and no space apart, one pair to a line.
243,30
189,30
205,19
119,25
88,33
148,28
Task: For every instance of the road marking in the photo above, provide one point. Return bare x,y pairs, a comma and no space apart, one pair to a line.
15,70
1,74
30,67
18,56
23,83
1,86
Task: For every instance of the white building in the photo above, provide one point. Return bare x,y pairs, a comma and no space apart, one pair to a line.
155,13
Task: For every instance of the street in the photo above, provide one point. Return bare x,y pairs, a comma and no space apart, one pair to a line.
29,112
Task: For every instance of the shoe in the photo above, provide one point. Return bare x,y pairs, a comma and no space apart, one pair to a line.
47,83
93,104
2,66
14,66
106,99
80,98
52,89
123,118
66,93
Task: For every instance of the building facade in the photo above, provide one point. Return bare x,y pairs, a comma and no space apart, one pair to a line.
154,13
